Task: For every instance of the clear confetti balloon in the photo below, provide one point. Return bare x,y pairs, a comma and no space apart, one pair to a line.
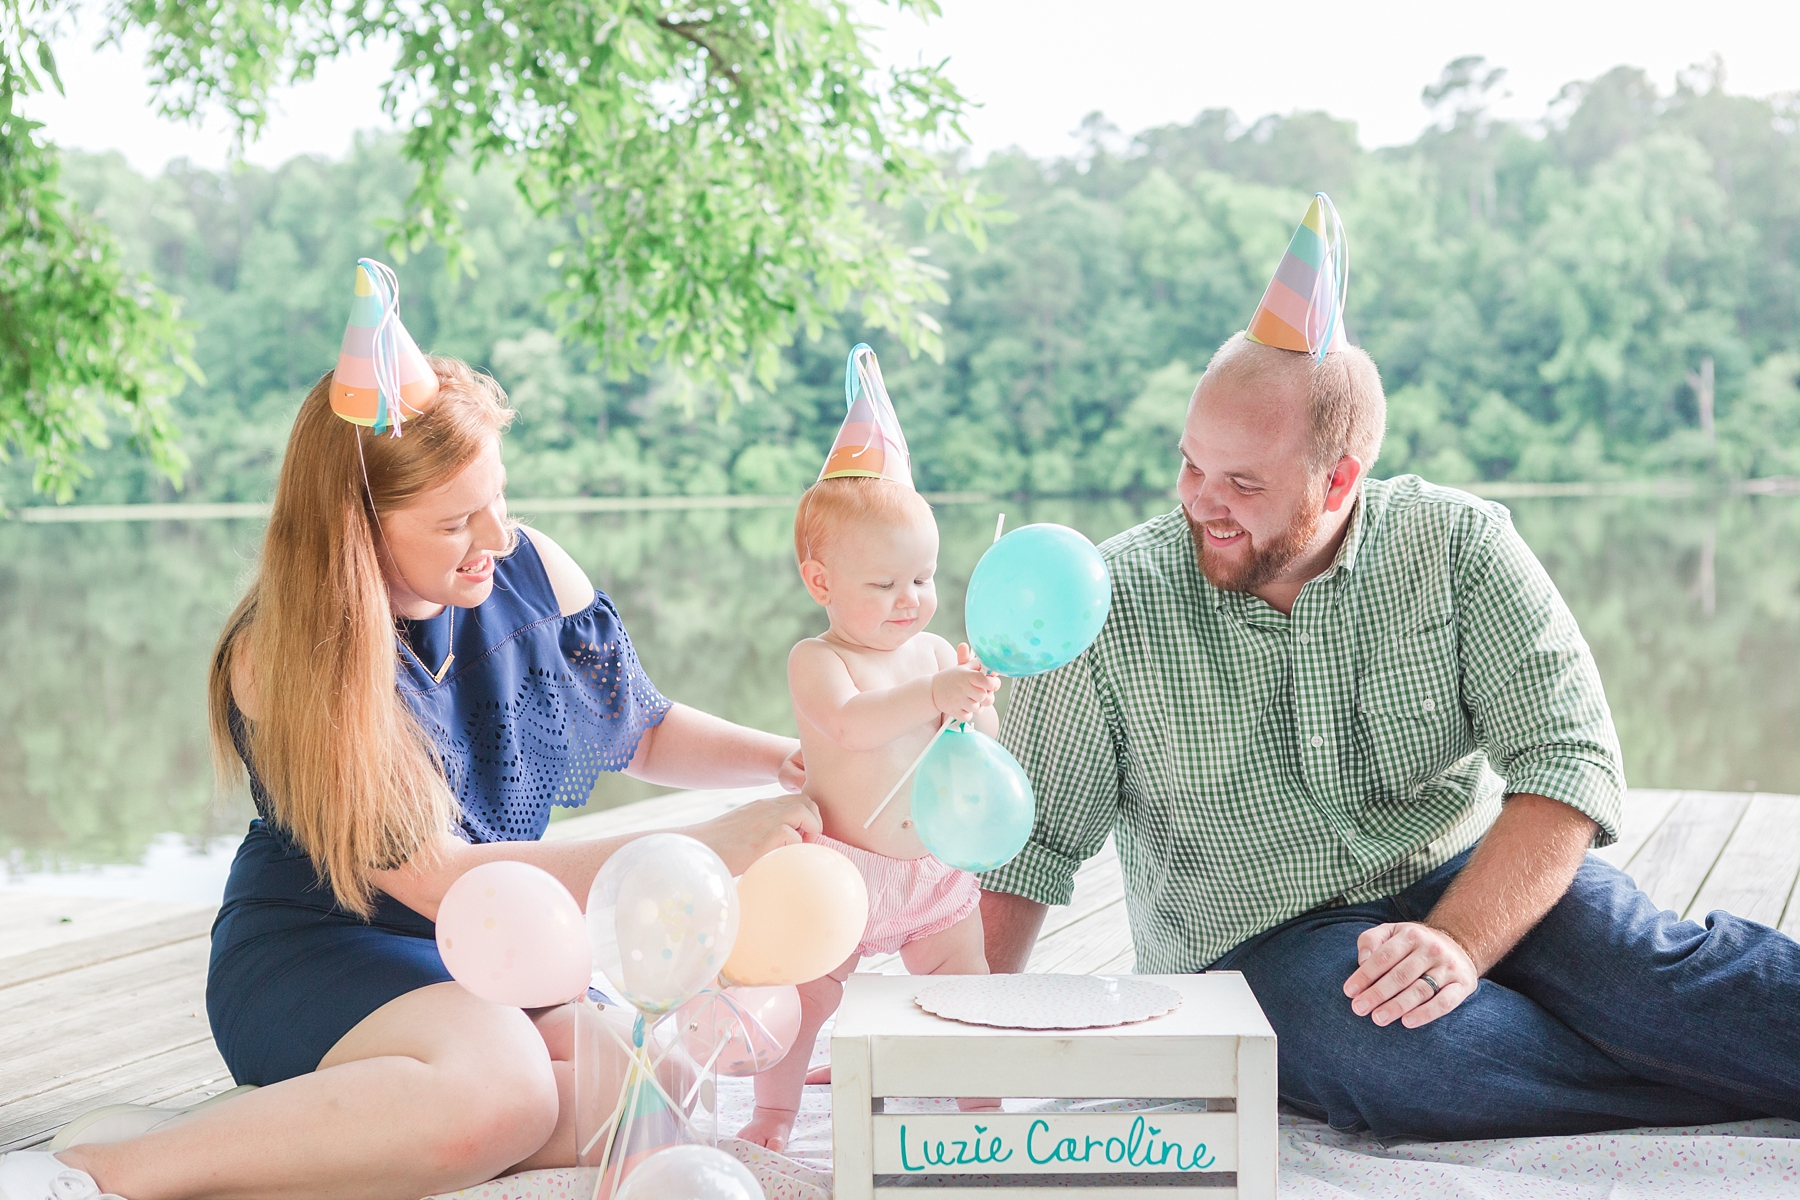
662,917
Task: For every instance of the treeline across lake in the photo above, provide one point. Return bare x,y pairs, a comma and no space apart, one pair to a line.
1542,301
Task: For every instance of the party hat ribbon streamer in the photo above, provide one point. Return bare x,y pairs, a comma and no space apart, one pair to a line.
381,377
869,442
1303,308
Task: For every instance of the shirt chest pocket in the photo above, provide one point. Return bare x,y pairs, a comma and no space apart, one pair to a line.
1409,712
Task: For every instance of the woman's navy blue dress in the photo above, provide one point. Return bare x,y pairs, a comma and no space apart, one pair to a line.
534,707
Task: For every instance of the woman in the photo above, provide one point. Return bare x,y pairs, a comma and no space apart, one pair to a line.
412,684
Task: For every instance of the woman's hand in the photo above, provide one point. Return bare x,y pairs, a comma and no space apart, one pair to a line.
748,832
791,775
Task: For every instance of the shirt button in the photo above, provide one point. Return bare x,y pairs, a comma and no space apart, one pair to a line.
1305,638
1430,704
1317,741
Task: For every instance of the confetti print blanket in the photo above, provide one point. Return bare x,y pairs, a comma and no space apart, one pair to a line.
1744,1161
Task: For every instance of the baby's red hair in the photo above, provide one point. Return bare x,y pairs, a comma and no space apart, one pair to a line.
832,506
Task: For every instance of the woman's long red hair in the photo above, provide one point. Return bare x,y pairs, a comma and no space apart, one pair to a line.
348,771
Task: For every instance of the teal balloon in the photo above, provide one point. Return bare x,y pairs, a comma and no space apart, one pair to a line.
1037,599
971,802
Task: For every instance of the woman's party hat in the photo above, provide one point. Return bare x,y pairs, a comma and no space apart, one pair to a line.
1304,307
869,442
381,378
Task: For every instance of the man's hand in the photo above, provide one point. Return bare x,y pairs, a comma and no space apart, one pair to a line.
1520,868
1390,985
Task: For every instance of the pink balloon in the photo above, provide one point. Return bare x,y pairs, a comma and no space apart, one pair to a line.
750,1029
511,933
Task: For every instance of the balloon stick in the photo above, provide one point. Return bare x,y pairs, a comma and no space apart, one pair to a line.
999,526
906,774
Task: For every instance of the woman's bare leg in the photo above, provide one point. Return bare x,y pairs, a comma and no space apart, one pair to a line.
434,1091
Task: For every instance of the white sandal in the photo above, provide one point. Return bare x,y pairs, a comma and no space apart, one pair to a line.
40,1175
121,1122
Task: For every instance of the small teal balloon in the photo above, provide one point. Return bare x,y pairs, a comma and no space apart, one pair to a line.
971,802
1037,599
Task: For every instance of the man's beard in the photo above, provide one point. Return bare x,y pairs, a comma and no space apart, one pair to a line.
1265,562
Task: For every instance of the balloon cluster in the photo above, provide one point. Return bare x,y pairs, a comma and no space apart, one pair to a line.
707,964
1037,599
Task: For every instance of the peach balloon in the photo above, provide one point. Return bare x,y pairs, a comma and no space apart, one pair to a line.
801,911
511,933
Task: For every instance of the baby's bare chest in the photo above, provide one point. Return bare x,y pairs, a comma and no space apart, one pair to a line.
873,671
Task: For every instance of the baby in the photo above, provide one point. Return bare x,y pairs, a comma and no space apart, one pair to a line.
868,694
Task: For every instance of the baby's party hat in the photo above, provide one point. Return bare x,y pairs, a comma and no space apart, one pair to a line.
381,378
1304,307
869,442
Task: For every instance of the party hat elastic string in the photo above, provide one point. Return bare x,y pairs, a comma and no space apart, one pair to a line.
1333,284
862,377
1303,307
386,346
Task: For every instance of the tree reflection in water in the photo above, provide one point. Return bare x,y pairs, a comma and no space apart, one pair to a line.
1692,609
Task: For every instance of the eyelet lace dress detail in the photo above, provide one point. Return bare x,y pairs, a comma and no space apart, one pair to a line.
544,704
535,707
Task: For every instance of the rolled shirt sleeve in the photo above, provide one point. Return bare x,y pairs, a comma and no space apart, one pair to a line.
1530,684
1056,726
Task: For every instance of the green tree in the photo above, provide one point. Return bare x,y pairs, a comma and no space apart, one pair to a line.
80,337
717,176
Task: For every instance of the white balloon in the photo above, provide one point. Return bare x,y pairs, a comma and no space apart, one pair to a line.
662,917
690,1173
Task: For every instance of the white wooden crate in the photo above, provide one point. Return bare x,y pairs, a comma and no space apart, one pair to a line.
1217,1047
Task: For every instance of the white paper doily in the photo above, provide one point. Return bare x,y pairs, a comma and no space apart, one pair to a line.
1047,1001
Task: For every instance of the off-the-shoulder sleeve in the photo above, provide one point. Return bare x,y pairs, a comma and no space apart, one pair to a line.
611,700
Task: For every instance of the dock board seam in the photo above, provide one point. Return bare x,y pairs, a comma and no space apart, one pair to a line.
1712,866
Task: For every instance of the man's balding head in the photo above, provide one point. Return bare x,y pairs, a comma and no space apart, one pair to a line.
1346,408
1273,451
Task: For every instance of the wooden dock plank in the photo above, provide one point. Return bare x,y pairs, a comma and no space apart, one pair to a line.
1645,811
107,1005
1677,858
1755,872
30,923
80,1023
183,1074
86,952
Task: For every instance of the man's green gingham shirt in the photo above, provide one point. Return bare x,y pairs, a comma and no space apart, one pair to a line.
1253,765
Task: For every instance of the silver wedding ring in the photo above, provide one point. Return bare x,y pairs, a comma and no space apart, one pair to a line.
1432,982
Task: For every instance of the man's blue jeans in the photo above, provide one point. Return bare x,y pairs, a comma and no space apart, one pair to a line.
1609,1014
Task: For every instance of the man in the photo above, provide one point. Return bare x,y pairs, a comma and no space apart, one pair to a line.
1351,743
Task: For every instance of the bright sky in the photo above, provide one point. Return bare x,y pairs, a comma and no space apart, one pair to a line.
1141,62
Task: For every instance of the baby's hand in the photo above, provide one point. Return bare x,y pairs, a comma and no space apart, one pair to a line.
961,691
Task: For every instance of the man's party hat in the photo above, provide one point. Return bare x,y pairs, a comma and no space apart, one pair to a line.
869,442
1304,307
381,378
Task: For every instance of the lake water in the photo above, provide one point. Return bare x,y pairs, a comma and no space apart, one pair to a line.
1692,608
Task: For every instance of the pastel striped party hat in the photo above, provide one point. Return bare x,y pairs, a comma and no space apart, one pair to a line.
869,442
381,378
1303,308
